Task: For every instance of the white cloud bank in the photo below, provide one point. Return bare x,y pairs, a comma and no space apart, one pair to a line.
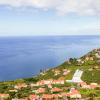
80,7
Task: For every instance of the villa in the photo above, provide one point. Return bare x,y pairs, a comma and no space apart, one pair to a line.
13,90
57,72
4,96
56,90
47,96
65,72
90,86
33,97
58,82
48,82
44,82
40,90
19,86
74,94
97,55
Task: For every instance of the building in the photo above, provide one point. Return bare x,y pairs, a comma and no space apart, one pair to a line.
74,94
58,82
4,96
47,97
13,90
40,90
44,82
19,86
33,97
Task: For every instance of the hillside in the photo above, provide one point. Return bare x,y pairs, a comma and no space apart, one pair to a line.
52,85
89,63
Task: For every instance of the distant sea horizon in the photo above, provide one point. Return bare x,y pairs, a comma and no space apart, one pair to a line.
25,56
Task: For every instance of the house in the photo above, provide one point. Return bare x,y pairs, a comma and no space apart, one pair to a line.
19,99
65,71
23,99
40,90
87,58
64,95
74,94
97,55
33,85
4,96
33,97
48,82
82,84
80,61
13,90
44,82
85,86
91,58
56,90
49,86
57,72
58,82
94,85
47,96
40,83
96,67
20,86
91,86
55,96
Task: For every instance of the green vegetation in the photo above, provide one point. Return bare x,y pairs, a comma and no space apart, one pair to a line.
91,74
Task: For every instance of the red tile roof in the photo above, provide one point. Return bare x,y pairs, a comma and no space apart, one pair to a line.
41,90
56,90
33,96
55,95
4,95
47,96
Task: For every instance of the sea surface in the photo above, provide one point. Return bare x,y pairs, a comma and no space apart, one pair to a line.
22,57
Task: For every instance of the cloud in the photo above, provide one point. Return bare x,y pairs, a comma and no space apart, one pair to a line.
62,7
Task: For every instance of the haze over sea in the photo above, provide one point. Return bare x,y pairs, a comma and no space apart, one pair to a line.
22,57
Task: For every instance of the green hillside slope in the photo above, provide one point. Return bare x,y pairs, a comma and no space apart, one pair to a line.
89,63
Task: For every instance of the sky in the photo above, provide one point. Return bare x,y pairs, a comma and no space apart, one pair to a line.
49,17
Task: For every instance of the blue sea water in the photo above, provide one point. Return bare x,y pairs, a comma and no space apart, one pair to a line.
22,57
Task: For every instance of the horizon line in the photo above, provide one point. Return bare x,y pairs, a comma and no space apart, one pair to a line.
50,35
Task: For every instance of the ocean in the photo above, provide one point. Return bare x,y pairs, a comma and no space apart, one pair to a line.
23,57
